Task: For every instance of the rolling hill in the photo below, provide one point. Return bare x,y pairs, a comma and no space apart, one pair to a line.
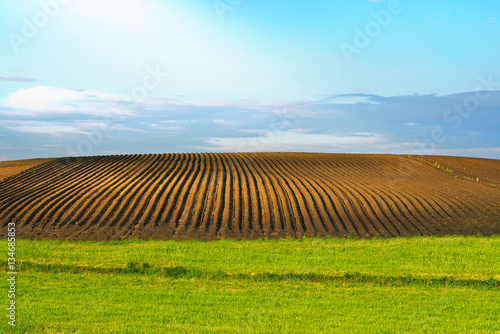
251,195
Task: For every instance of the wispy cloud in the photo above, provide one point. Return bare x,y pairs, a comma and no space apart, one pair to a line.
286,140
400,146
18,79
491,20
225,103
50,128
341,123
160,127
54,100
224,122
181,121
350,99
5,146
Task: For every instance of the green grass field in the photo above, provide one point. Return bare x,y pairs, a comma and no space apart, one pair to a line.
401,285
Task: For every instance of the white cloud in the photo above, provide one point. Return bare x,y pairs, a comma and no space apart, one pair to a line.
225,122
41,100
51,128
279,140
402,146
163,128
225,103
173,121
17,79
46,99
350,99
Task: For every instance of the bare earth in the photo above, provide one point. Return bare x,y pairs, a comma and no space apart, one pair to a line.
248,195
486,170
9,168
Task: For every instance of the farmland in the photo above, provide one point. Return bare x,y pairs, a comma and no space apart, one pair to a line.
251,195
254,243
9,168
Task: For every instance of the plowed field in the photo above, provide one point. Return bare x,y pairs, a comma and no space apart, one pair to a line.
246,195
484,170
8,168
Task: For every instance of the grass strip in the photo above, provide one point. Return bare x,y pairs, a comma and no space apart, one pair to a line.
188,273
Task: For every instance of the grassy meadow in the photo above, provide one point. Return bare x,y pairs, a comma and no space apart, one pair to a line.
400,285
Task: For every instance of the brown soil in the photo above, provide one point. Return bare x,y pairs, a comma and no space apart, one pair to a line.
9,168
248,195
483,170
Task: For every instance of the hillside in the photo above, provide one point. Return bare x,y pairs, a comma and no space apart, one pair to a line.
245,195
9,168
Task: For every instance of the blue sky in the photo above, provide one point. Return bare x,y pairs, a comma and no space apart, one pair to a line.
142,76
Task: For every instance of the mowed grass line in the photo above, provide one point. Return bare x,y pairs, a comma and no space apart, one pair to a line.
458,256
183,272
402,285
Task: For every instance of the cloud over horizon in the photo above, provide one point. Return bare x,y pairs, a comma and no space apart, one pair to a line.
41,100
17,79
357,123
